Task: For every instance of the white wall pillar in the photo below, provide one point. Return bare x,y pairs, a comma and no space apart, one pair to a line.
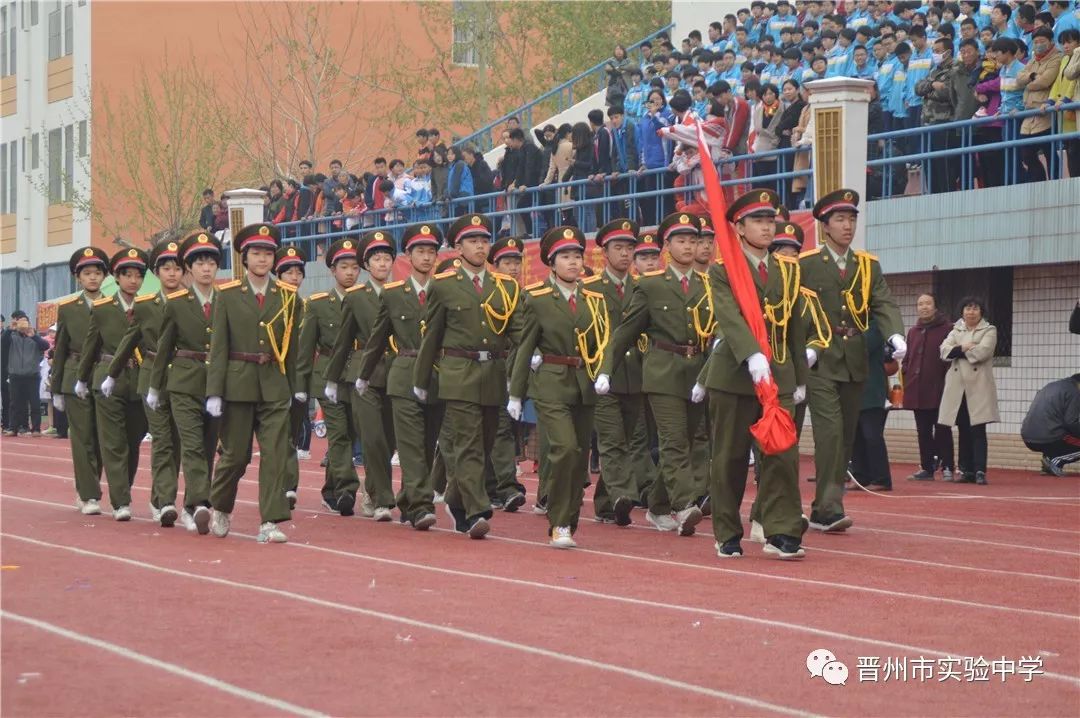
839,106
245,207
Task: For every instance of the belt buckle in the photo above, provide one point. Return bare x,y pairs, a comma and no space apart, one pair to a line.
483,356
264,359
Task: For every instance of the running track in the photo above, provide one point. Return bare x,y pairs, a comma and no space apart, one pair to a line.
357,618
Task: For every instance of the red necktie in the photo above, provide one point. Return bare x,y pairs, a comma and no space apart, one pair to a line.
763,272
685,285
476,284
572,301
619,289
843,273
422,296
260,299
130,314
206,310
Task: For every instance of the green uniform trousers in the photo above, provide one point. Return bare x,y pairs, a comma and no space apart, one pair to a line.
373,417
702,456
416,429
438,464
164,454
677,422
85,451
543,462
298,410
650,487
198,433
471,434
340,475
834,411
500,469
121,426
616,418
568,428
778,505
269,422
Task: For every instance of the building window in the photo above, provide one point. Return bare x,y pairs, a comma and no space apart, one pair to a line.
13,177
69,162
8,25
34,13
464,27
69,29
993,285
3,178
56,33
35,150
83,139
55,155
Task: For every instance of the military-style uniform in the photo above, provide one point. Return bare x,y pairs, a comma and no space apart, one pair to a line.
470,318
571,331
399,327
733,403
141,342
121,422
372,411
72,326
849,298
320,328
252,369
675,313
180,368
286,258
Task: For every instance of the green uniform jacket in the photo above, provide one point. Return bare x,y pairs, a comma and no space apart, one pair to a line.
143,334
627,377
108,325
184,326
845,358
318,332
456,320
401,316
726,369
659,309
876,389
551,328
241,326
362,305
72,325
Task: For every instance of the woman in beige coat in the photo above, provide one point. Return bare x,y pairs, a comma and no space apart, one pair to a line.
970,398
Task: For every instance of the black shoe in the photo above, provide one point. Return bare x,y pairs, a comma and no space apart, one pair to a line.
922,475
874,486
346,504
479,528
594,463
831,524
325,462
1045,468
705,504
515,502
980,478
785,548
605,517
730,549
461,523
622,508
497,503
964,477
329,503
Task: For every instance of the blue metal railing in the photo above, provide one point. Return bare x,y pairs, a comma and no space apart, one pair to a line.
562,96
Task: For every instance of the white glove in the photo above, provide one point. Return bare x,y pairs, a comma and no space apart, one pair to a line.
811,357
107,386
759,367
300,396
899,347
421,394
697,394
536,361
800,394
513,408
331,392
153,398
58,402
361,386
213,406
80,390
602,385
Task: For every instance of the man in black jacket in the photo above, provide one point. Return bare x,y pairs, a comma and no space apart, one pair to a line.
24,375
526,173
1052,424
206,217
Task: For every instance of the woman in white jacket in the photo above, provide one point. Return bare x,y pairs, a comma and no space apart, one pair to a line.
969,401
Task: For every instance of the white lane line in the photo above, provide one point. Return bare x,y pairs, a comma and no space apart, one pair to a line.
448,630
981,542
968,522
771,623
171,668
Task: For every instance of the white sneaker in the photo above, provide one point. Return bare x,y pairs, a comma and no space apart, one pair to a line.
664,522
383,514
291,496
367,509
188,521
202,520
147,439
687,519
122,514
270,533
155,514
301,454
167,516
439,498
562,538
425,522
394,460
757,532
219,523
90,507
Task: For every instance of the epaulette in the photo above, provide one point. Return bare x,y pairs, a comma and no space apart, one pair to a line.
592,279
785,258
654,273
590,293
318,295
504,277
230,285
808,292
447,274
542,292
864,253
103,300
145,298
534,285
356,287
392,285
809,252
69,300
285,285
177,294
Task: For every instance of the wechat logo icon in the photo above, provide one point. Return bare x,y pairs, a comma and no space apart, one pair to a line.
822,664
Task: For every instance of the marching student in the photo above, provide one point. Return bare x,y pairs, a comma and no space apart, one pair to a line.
289,263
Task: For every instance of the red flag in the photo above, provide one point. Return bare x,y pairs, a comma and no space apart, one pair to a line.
775,431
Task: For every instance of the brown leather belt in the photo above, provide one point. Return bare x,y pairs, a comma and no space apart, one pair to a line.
188,354
845,332
130,363
686,350
149,355
577,362
480,356
408,353
259,358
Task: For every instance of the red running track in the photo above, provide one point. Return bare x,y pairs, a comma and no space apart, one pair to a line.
357,618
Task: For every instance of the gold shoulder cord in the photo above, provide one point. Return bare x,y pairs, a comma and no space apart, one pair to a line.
643,343
393,344
859,314
288,300
779,315
600,330
704,330
138,357
509,303
822,328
